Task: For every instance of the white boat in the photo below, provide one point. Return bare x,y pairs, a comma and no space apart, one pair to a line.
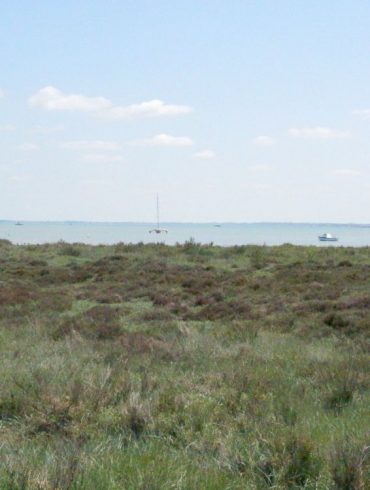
158,230
327,237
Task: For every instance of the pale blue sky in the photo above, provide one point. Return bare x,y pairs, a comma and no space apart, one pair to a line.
231,110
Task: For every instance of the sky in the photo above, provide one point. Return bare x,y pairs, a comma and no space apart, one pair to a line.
238,110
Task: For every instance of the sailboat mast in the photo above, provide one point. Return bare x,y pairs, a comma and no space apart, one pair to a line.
158,230
157,212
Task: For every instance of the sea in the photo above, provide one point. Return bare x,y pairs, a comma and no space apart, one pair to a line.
224,234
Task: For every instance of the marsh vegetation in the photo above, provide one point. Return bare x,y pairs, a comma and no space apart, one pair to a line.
188,367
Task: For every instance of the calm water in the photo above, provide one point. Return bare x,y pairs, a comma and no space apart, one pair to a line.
226,234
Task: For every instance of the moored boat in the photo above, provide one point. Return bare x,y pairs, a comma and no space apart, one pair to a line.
327,237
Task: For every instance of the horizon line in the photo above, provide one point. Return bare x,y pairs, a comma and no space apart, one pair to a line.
348,223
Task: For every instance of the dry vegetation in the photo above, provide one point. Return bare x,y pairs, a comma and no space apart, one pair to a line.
188,367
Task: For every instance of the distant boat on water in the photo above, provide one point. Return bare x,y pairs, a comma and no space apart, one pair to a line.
18,223
327,237
158,230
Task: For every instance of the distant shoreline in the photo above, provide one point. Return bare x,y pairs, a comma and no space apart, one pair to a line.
192,223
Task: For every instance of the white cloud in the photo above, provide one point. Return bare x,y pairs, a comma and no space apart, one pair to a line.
261,187
28,147
318,132
102,158
152,108
53,99
7,127
18,178
87,145
364,113
204,155
164,140
47,129
264,140
259,168
346,172
97,183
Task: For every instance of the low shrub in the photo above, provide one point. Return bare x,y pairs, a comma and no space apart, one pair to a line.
289,463
99,322
336,320
5,243
302,465
69,251
349,465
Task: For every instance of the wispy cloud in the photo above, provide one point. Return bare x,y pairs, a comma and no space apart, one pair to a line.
90,145
164,140
53,99
152,108
264,140
364,113
7,127
47,129
18,178
204,155
102,158
319,132
97,183
2,93
28,147
346,172
260,168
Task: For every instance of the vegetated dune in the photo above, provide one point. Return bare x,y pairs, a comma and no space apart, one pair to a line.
154,367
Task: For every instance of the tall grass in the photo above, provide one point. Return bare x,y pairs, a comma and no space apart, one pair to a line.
145,367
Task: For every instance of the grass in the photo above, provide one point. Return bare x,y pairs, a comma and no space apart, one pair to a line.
147,366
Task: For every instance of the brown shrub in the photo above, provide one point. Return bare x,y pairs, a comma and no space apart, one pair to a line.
224,310
160,299
290,463
156,314
54,301
51,276
345,263
54,418
14,293
99,322
181,310
103,293
139,343
69,250
207,299
349,466
202,300
354,302
5,243
313,306
38,263
335,320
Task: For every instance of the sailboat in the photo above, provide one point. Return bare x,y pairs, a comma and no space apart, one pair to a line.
158,230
